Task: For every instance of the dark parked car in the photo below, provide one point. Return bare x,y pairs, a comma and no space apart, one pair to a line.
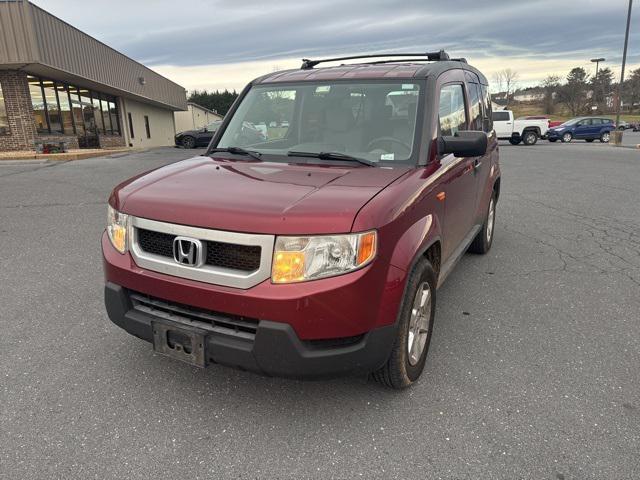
583,128
202,137
197,138
318,250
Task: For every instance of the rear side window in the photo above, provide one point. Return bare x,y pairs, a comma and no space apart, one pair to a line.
500,116
475,106
453,117
596,121
486,98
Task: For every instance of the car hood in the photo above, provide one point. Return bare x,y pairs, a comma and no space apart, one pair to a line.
255,197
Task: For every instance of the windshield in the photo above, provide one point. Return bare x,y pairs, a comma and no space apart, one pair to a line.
374,121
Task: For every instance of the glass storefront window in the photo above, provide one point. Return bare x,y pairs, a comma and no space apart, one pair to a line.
4,120
90,124
39,107
60,108
97,114
105,116
76,108
65,109
55,124
113,113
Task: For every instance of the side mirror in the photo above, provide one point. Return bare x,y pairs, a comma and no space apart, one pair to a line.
204,129
463,144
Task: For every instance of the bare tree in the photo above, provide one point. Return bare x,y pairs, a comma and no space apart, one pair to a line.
498,82
506,80
510,81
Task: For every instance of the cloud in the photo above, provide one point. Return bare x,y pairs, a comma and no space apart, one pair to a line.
224,40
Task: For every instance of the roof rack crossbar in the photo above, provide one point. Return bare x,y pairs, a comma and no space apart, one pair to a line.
441,55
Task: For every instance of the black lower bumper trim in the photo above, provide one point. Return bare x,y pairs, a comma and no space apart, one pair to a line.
275,350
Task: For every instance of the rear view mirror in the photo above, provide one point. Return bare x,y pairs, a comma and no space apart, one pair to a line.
463,144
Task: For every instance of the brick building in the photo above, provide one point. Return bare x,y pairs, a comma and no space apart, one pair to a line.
59,84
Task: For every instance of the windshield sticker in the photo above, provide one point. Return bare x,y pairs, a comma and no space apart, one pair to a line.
387,156
408,86
323,88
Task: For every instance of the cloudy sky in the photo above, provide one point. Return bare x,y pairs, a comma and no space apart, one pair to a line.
223,44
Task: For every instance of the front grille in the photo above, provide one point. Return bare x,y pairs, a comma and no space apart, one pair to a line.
224,255
157,243
234,325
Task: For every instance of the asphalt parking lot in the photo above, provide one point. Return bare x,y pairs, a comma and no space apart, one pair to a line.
533,372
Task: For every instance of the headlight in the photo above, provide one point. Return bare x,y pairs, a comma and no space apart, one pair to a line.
117,224
297,259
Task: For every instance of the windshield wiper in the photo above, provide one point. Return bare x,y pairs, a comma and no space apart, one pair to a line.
238,151
331,156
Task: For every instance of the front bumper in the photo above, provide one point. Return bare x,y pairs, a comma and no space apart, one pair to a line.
554,135
335,307
266,347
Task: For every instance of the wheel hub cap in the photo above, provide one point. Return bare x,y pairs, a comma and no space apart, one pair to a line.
419,323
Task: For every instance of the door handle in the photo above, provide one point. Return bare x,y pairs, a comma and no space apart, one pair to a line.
477,164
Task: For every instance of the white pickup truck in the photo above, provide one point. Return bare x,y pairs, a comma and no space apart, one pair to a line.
527,131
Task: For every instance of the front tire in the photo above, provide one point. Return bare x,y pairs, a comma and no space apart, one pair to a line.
484,239
567,137
188,142
415,326
605,137
530,138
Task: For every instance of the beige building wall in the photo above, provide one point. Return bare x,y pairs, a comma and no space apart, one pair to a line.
194,118
161,124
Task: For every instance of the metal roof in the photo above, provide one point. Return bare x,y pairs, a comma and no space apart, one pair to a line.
37,42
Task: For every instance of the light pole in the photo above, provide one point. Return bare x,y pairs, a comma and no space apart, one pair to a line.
618,139
597,62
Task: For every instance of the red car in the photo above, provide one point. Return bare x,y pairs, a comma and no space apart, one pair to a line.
319,250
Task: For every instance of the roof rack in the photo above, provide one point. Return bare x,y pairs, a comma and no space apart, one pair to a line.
428,56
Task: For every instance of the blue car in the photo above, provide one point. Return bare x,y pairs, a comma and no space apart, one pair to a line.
583,128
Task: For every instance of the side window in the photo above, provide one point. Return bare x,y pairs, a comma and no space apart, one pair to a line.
453,117
486,100
596,121
500,116
475,105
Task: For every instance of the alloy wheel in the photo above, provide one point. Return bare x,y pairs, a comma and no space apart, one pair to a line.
419,323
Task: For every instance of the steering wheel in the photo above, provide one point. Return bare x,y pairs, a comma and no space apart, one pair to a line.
387,139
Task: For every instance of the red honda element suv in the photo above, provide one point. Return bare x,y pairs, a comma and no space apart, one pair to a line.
318,249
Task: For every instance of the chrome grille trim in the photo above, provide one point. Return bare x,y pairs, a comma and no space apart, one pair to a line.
206,273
